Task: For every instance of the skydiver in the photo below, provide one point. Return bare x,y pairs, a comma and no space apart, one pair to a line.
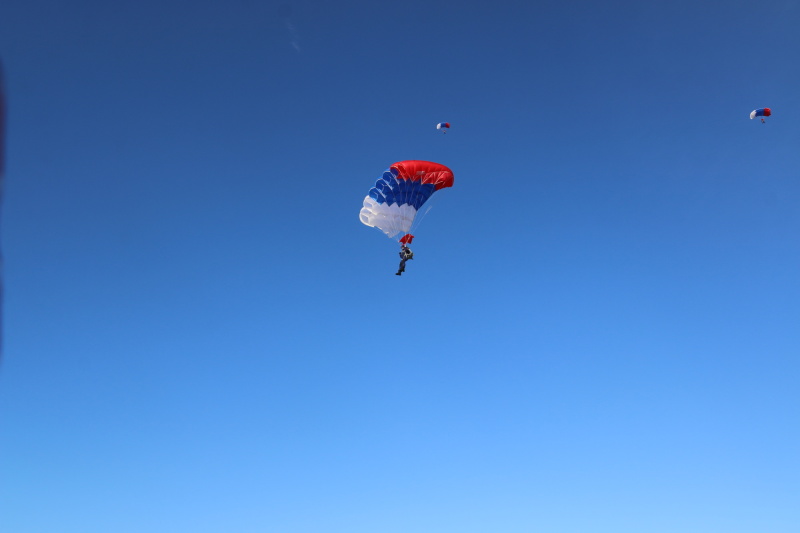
405,255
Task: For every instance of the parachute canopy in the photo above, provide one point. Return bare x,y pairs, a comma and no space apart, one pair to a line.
392,204
763,112
443,126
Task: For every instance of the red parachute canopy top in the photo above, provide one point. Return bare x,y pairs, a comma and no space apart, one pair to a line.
426,172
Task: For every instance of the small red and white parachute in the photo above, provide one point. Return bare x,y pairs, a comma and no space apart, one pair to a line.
761,112
443,126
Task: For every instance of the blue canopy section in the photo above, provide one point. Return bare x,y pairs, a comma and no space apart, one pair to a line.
390,190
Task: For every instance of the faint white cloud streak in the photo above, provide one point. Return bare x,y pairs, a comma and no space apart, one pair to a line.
285,12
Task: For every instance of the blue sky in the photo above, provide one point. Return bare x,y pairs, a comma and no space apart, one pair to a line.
598,333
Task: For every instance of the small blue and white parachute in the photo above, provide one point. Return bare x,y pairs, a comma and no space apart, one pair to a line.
761,112
443,126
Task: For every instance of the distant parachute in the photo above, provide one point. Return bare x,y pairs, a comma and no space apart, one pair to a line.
763,112
443,126
398,195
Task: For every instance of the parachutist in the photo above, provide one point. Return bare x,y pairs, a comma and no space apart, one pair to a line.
405,255
398,197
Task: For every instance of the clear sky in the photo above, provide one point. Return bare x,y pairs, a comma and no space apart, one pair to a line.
599,332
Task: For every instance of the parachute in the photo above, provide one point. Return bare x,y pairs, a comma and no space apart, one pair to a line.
763,112
444,126
398,195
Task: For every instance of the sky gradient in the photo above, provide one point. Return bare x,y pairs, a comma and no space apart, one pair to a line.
599,331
